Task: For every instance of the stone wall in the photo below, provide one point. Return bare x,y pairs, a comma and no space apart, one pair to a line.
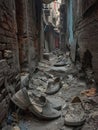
87,32
19,24
9,64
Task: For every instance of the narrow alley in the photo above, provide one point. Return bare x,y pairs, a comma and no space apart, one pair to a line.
48,65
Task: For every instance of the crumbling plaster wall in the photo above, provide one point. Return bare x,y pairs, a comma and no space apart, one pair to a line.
87,32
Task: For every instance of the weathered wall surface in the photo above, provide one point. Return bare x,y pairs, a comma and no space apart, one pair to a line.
82,21
31,16
87,30
9,64
19,24
28,16
63,25
21,18
26,22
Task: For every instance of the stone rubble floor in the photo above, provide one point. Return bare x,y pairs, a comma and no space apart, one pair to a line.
73,85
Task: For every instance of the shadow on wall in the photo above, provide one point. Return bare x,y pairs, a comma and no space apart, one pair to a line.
87,60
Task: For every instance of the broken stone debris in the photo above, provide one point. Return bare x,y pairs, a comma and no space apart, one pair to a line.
65,86
92,123
42,77
94,99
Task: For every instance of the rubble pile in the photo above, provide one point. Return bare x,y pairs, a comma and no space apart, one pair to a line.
54,91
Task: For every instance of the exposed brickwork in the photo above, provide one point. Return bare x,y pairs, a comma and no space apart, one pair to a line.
18,34
9,65
88,35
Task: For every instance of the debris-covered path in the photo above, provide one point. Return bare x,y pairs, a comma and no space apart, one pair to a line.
73,84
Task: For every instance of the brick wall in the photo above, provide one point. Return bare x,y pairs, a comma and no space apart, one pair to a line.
87,30
9,63
18,25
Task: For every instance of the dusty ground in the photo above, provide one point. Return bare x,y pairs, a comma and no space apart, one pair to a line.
73,84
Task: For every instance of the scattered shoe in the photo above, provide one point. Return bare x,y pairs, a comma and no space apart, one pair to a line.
60,63
42,108
53,86
20,100
75,115
39,106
